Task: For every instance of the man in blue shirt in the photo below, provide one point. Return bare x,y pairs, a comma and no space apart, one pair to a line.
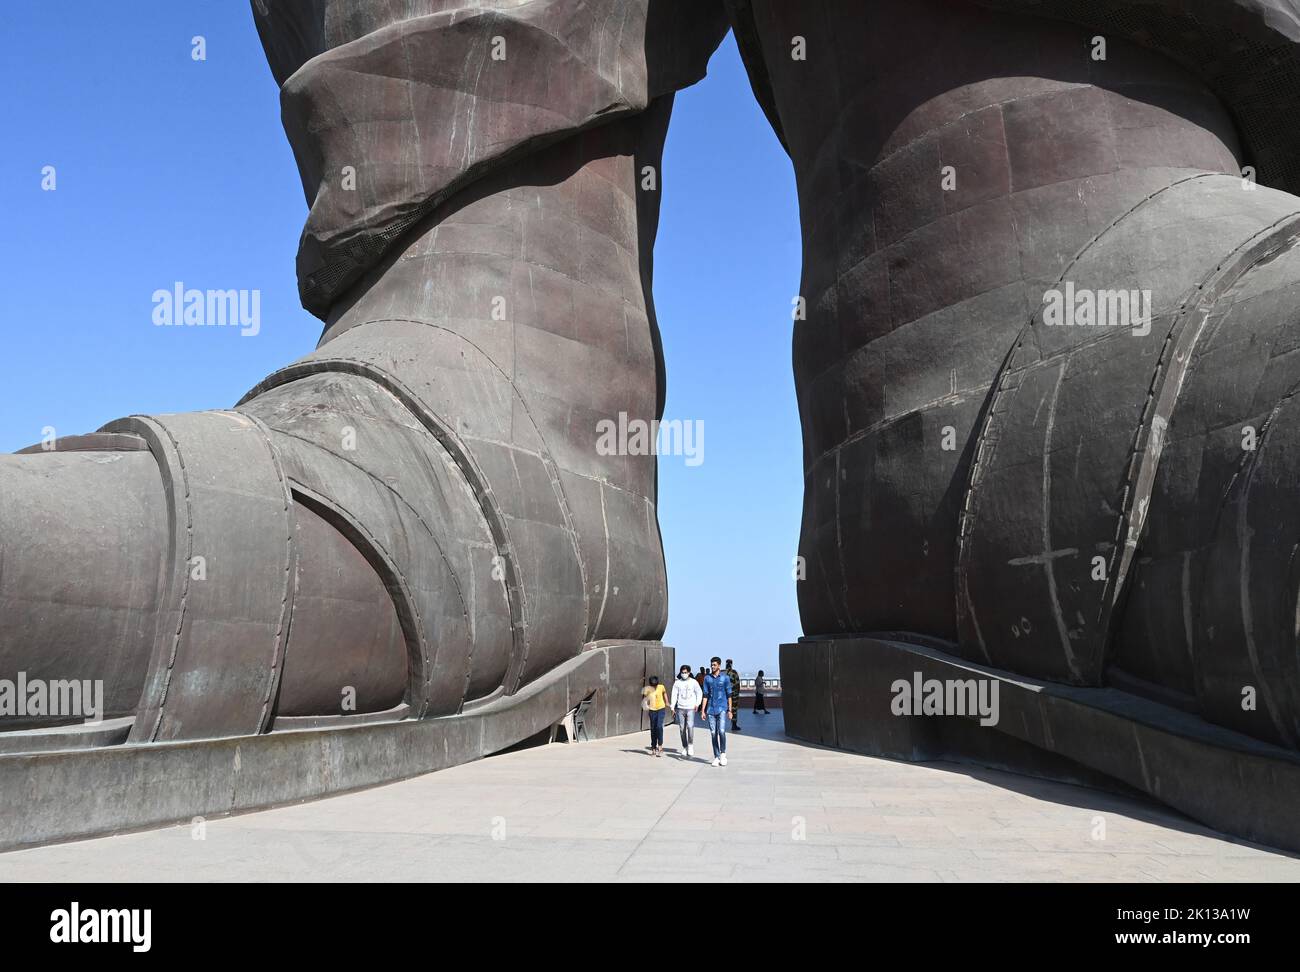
717,708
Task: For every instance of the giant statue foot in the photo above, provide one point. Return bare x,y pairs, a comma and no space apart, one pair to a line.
1047,379
414,522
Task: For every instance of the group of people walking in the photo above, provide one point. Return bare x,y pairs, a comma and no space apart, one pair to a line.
714,694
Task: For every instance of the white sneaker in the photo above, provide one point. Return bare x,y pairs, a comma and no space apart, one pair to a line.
715,761
723,757
690,751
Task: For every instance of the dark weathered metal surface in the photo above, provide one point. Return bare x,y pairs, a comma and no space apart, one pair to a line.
966,462
81,535
415,518
1097,506
421,97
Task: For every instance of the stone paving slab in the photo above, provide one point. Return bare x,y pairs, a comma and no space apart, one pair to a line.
608,811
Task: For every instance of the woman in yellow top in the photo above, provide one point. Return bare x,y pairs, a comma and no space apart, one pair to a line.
654,699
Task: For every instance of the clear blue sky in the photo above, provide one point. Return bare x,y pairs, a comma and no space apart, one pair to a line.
170,169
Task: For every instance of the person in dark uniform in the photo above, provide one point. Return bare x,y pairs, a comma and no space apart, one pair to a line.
734,675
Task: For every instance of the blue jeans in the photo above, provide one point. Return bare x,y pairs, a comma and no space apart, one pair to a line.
657,727
718,732
686,726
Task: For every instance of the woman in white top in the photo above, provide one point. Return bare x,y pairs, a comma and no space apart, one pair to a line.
686,698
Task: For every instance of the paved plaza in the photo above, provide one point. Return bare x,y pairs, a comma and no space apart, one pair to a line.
608,811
